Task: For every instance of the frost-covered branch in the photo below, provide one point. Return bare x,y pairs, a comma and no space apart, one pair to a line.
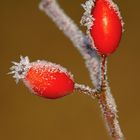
108,105
78,38
86,90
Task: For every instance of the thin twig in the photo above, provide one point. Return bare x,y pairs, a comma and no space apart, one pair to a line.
108,106
86,90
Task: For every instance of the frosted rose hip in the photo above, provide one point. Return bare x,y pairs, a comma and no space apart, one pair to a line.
44,78
49,80
106,30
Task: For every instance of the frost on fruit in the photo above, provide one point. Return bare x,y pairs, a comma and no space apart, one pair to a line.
48,80
43,78
19,69
50,67
87,19
116,9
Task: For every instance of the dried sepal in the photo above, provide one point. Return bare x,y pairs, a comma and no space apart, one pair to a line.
19,69
87,19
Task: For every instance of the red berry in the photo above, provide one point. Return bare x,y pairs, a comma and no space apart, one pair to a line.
106,30
46,79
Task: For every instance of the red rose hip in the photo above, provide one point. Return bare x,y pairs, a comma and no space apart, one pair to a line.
106,30
44,78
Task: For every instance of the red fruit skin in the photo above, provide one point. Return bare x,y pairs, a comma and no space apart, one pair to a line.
48,82
107,28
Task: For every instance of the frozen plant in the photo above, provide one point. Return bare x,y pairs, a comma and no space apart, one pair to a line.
104,30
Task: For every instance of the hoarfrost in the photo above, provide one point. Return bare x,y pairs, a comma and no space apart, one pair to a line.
51,67
87,19
116,9
85,89
112,105
19,69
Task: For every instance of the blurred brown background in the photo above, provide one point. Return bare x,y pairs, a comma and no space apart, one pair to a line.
24,30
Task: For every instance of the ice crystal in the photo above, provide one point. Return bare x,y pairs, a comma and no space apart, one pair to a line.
116,9
50,67
87,19
19,69
85,89
112,105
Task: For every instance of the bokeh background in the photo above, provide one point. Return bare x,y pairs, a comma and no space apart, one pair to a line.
24,30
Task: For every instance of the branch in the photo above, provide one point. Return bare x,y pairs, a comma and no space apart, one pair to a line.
108,106
106,101
78,38
86,90
109,111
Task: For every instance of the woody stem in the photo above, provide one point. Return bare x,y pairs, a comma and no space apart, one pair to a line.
108,105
